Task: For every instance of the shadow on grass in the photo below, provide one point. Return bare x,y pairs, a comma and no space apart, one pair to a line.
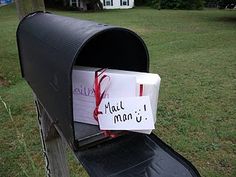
226,19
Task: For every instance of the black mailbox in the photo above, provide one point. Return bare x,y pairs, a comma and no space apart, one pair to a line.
49,46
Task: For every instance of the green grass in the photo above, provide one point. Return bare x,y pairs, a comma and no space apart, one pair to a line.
195,54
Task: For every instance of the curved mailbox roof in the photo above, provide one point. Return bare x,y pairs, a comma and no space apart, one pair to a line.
49,45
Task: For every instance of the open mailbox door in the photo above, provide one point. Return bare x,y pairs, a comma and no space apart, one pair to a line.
49,46
135,155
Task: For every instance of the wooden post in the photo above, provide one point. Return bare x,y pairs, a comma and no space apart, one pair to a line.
52,143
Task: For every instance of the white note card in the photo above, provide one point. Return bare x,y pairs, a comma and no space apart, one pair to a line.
130,113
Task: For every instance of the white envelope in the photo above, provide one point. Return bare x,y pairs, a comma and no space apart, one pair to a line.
124,84
151,85
83,94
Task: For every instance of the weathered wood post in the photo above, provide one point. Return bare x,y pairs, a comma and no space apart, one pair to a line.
52,144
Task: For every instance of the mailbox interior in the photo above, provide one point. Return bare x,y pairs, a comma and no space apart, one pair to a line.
114,48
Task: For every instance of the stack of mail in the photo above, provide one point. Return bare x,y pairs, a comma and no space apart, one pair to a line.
121,84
